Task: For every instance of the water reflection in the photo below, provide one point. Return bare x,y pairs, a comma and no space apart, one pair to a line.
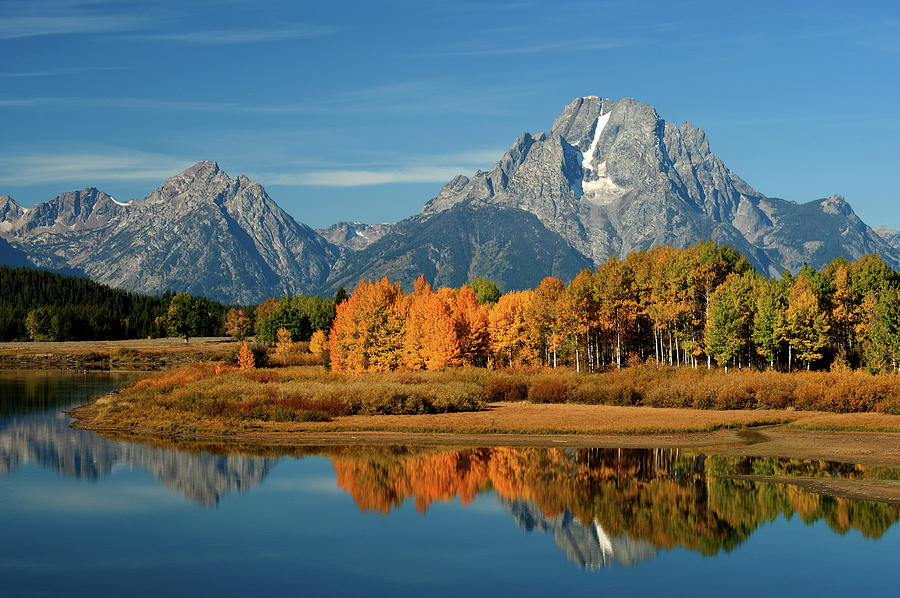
607,506
588,546
36,431
602,506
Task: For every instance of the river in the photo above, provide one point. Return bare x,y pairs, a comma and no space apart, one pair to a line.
84,515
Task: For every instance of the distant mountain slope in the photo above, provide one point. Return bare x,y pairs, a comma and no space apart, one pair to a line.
201,232
10,256
507,245
213,235
612,177
889,235
354,235
609,178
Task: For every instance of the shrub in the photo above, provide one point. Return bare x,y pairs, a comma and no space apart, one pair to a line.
505,388
549,390
597,390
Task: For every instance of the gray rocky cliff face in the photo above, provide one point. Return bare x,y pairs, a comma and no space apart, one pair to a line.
888,235
202,232
10,212
612,177
57,233
354,235
213,235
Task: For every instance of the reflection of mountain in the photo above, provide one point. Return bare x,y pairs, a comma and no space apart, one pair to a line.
589,546
47,440
636,500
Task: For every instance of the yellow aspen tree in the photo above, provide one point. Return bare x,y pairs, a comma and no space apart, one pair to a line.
318,343
284,344
246,361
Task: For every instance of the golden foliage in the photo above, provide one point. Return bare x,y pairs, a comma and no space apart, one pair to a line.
284,345
319,342
661,496
368,330
246,360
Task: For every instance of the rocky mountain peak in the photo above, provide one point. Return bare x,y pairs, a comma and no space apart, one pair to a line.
577,121
836,205
695,138
202,180
613,176
354,235
71,211
202,169
9,209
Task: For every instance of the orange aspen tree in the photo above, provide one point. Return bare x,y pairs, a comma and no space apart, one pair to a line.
577,313
284,344
430,339
246,361
471,322
541,319
368,329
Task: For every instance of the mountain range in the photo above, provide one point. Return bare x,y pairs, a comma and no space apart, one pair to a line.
610,177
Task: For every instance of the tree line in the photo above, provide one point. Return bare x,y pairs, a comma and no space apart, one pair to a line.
697,307
45,306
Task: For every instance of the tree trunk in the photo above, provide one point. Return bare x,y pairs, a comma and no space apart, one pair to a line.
618,349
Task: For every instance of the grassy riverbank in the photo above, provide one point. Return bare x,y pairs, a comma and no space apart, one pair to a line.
133,355
207,398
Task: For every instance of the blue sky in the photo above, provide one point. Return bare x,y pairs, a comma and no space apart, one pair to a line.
362,110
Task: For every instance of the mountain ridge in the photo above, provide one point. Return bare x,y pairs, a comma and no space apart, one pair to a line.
610,177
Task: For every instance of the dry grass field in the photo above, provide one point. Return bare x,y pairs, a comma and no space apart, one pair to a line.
135,354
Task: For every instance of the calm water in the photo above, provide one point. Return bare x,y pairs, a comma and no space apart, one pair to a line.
82,515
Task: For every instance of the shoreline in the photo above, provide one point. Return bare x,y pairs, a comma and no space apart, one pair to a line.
876,449
753,439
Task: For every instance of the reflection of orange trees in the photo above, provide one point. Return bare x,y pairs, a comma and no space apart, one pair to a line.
660,496
382,486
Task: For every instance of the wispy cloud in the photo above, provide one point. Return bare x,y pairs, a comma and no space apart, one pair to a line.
63,72
28,102
242,36
426,169
15,27
528,47
402,98
93,168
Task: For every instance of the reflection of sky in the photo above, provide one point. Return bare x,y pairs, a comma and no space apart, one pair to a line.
292,534
290,529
